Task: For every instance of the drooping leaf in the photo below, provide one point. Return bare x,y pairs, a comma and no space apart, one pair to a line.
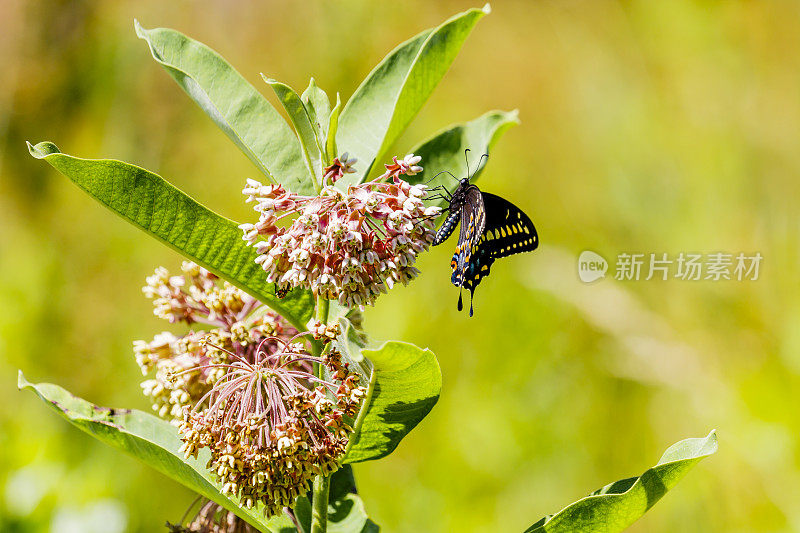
149,439
302,121
233,104
445,150
404,386
394,92
616,506
152,204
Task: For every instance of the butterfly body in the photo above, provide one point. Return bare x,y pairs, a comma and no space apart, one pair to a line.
491,228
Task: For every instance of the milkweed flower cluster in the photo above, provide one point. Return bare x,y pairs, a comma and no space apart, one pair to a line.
198,297
271,425
245,389
349,246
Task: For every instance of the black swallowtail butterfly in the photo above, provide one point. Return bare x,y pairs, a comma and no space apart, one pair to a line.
491,228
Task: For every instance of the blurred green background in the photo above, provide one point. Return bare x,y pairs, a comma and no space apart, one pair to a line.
647,126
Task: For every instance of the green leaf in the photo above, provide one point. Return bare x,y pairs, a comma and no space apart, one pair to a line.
151,440
404,386
319,109
445,150
333,126
346,514
233,104
618,505
393,93
302,121
345,510
152,204
343,482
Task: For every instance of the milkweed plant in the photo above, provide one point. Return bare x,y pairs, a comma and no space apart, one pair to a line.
271,391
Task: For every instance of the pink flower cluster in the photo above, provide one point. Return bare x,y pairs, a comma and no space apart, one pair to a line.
271,425
244,389
349,246
198,297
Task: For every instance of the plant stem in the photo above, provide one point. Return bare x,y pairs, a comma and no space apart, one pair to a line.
319,510
323,304
322,315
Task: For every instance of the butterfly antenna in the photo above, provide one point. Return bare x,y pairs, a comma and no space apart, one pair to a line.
481,161
466,159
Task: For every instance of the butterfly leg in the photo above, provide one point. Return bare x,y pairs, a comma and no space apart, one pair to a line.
437,197
445,194
439,188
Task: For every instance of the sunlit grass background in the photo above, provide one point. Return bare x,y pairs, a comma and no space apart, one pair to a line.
647,126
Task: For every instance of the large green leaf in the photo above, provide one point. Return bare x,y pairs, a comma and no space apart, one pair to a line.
393,93
152,204
302,121
151,440
445,150
618,505
233,104
404,386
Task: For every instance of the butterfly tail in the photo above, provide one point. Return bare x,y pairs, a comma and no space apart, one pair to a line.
457,277
470,302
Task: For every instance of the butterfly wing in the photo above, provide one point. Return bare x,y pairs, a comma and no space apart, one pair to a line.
473,222
507,231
